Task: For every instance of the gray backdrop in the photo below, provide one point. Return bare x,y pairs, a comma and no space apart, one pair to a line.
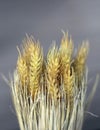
44,19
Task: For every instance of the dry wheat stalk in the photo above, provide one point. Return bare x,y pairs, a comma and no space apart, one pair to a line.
46,92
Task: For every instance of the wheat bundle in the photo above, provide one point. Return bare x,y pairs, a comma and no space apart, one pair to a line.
49,94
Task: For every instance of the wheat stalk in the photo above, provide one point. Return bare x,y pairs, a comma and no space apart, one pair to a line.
49,94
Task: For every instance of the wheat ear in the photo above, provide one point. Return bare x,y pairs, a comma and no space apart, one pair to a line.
22,69
52,67
79,63
33,61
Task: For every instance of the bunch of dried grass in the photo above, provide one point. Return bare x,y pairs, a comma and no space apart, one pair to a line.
49,94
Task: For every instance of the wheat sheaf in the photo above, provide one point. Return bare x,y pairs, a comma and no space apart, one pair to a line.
49,93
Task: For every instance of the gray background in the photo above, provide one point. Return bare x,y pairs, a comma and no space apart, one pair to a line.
44,19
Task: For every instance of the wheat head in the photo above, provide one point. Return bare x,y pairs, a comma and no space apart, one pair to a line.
80,61
31,62
52,68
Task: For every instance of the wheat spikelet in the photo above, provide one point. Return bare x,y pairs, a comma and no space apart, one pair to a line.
52,67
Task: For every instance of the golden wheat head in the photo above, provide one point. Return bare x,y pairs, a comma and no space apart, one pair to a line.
22,69
33,60
80,60
52,67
